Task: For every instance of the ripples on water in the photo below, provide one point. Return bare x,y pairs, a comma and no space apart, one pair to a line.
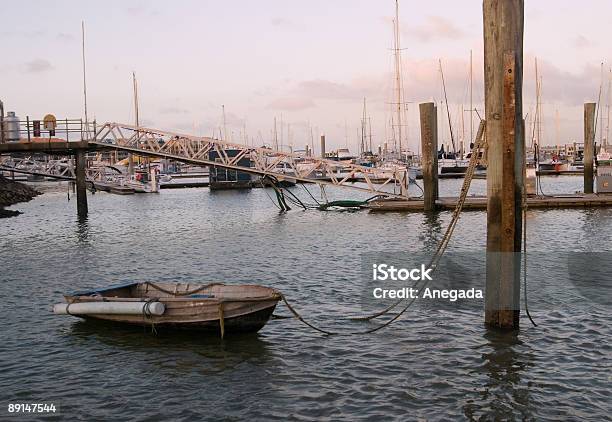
432,364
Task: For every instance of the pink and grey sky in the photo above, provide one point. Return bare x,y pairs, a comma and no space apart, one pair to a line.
309,61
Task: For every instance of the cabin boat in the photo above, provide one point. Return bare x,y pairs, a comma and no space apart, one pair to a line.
452,166
212,307
142,181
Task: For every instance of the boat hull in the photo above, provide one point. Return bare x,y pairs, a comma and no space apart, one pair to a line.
250,323
215,307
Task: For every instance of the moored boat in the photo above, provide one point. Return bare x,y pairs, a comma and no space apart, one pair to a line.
212,307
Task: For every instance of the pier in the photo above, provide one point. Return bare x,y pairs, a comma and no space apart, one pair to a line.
480,203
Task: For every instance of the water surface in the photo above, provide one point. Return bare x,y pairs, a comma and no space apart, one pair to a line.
432,364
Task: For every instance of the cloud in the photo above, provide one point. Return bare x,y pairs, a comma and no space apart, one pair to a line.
24,34
581,41
435,27
141,9
285,23
291,103
38,66
280,22
62,36
174,110
355,89
559,85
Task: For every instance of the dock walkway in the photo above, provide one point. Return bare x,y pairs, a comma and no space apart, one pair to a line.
480,202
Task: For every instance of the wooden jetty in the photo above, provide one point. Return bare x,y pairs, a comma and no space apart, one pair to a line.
480,203
113,188
180,185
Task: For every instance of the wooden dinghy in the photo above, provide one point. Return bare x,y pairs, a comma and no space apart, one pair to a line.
212,307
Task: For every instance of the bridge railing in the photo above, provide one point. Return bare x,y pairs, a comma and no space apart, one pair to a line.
263,161
37,130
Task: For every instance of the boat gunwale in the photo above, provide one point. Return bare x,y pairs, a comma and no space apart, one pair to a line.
209,300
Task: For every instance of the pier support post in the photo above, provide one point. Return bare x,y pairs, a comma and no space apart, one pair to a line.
81,189
323,153
323,146
589,138
429,155
503,70
130,164
1,122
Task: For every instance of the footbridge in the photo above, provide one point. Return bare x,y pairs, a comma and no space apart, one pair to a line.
264,161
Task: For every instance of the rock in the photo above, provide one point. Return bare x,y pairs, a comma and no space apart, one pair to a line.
12,193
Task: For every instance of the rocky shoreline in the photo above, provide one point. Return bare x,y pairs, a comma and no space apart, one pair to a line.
12,193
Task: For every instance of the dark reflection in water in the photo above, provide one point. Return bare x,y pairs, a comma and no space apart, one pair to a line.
432,230
504,394
82,228
163,344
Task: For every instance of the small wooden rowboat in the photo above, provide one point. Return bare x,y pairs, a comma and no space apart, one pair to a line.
211,307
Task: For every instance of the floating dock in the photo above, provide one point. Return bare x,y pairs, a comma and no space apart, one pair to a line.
180,185
113,188
480,203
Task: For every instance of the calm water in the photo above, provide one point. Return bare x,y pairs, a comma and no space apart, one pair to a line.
430,365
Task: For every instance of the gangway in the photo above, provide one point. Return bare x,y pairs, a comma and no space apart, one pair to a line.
265,161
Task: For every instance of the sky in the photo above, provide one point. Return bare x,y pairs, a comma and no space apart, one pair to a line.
308,64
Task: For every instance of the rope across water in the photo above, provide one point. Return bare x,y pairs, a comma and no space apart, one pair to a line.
433,263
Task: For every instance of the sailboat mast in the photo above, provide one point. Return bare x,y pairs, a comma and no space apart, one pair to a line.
608,108
135,85
598,115
276,135
471,100
282,138
461,145
536,123
224,123
311,139
557,128
450,126
398,78
539,111
346,141
363,128
84,79
370,124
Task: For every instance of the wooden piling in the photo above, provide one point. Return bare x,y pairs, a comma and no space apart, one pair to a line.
589,139
323,146
323,173
429,155
81,189
1,122
503,70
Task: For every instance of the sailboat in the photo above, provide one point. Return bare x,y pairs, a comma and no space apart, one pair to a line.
450,162
143,179
398,104
604,157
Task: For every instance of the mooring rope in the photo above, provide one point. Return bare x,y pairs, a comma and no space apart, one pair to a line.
433,264
525,261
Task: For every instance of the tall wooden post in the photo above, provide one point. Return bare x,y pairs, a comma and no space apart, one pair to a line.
323,173
429,155
1,122
81,189
323,146
503,70
589,138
